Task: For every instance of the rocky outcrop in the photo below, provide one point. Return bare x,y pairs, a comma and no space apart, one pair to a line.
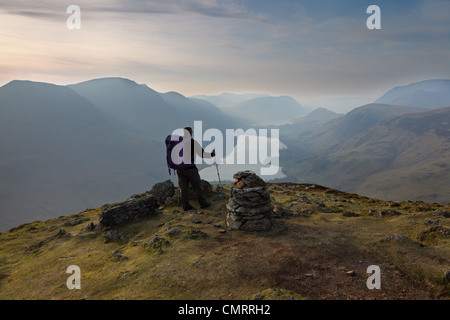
129,210
163,190
250,207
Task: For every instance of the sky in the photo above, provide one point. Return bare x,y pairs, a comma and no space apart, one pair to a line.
305,49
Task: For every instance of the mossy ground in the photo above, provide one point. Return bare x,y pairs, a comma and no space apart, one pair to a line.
316,253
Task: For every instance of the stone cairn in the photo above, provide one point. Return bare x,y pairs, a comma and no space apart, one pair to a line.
250,207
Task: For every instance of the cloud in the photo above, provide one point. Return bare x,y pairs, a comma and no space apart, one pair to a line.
208,46
129,8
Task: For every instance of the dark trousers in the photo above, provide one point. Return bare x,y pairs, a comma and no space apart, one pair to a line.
186,176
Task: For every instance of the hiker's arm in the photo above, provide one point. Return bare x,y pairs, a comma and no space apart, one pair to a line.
198,150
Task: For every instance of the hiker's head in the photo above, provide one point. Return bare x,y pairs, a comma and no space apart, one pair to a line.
187,131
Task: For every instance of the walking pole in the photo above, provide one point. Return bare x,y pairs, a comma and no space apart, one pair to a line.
219,188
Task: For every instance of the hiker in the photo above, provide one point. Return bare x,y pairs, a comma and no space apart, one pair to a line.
189,172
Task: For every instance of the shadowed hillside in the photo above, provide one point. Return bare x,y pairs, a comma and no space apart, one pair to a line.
395,153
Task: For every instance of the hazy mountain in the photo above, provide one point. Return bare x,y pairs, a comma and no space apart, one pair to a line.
337,131
339,105
142,109
317,115
61,154
191,109
267,110
394,156
429,94
257,109
226,100
307,123
136,107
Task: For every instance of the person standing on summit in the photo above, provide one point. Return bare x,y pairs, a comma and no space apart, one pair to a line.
188,172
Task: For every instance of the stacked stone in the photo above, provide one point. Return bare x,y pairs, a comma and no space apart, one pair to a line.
250,207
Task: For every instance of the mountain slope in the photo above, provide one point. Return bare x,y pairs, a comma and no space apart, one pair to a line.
136,107
355,122
319,247
60,153
141,109
190,110
429,94
257,109
395,158
420,167
306,124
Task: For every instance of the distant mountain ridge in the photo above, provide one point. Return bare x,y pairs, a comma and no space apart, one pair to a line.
429,94
227,99
396,154
258,109
148,112
356,121
65,148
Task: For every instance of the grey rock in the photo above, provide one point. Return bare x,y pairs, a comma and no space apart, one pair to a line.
90,226
249,203
158,242
432,221
114,235
75,221
174,232
234,216
233,223
117,255
387,213
350,214
260,216
394,237
445,214
129,210
250,178
62,233
163,191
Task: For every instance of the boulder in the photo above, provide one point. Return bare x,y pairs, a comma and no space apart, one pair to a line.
129,210
163,190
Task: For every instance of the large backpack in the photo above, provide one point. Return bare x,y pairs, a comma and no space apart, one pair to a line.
171,142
